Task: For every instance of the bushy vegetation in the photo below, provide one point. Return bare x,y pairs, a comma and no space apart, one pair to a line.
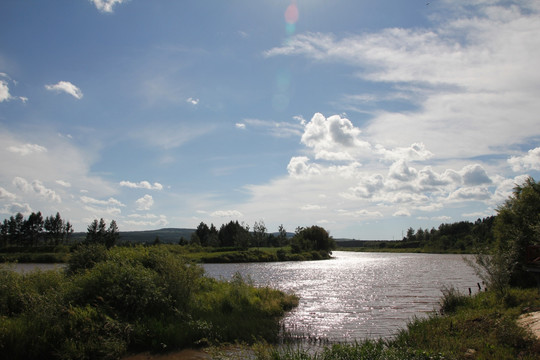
112,301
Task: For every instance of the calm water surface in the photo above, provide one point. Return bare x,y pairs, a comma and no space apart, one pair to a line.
358,295
354,295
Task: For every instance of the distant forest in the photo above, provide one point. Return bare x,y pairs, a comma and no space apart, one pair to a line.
36,230
462,236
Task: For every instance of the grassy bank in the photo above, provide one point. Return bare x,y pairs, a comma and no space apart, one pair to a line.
198,254
479,327
110,302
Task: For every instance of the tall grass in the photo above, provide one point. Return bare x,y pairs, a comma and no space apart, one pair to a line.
109,302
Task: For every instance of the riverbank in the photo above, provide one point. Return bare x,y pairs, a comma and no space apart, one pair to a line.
197,254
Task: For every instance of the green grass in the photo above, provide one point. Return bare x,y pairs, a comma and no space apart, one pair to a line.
109,302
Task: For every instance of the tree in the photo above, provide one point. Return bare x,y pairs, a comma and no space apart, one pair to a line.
33,229
259,233
113,235
234,234
97,233
516,227
203,232
282,236
312,238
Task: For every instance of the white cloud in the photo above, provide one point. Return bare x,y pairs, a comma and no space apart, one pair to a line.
279,129
530,161
470,193
6,195
27,149
142,185
233,214
192,101
37,188
145,203
4,89
300,166
63,183
402,172
311,207
67,87
109,201
475,175
402,213
98,212
240,126
333,138
146,220
415,152
106,6
14,208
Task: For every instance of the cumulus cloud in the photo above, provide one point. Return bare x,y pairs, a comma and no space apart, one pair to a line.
402,172
144,203
530,161
475,175
67,87
300,166
332,138
106,6
142,185
27,149
37,188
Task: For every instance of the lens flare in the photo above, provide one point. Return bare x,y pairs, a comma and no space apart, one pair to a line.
291,14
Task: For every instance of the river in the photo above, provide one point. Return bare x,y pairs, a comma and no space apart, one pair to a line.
353,296
356,296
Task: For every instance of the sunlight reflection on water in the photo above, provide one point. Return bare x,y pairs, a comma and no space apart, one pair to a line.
358,295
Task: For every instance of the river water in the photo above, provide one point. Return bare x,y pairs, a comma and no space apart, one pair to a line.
353,296
356,296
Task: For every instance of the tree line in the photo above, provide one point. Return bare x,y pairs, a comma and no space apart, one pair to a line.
238,235
34,230
463,236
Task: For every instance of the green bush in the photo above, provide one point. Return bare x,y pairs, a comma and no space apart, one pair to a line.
111,301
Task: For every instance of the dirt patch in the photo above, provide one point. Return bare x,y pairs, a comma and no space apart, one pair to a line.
531,321
188,354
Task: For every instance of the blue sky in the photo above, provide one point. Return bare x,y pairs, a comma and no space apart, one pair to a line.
365,117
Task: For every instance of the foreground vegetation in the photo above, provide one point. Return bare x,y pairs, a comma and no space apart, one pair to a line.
479,327
109,302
